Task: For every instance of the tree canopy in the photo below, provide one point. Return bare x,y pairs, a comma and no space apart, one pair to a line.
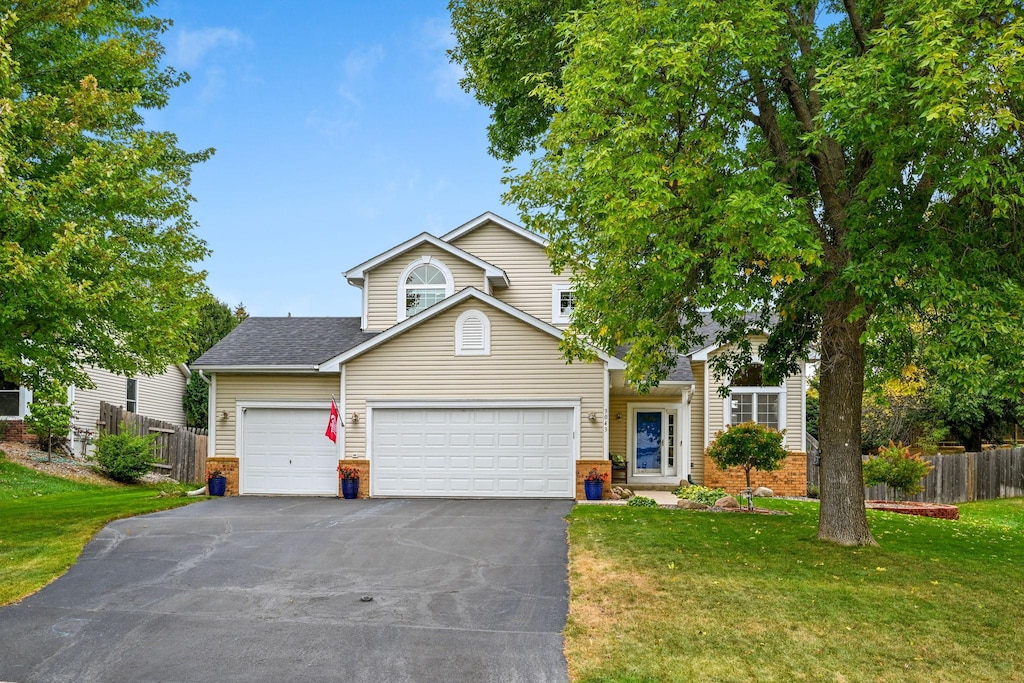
97,250
826,172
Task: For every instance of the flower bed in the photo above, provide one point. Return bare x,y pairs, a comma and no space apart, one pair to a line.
906,507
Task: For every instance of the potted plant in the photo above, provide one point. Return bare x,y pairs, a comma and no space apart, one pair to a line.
593,484
216,483
349,477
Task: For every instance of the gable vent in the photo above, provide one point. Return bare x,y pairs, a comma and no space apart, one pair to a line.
472,334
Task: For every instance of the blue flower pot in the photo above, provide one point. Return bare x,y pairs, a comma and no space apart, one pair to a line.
217,485
350,488
594,489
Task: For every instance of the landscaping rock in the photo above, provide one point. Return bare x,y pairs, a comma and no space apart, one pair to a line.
622,492
688,504
614,496
763,492
727,502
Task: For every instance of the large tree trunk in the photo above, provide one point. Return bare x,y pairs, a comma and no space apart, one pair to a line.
842,518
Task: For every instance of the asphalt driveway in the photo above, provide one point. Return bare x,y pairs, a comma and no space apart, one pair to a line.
269,589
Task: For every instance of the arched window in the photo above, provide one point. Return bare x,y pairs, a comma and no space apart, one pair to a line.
472,334
752,401
423,284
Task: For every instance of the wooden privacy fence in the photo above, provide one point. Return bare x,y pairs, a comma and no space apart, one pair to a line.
181,451
958,477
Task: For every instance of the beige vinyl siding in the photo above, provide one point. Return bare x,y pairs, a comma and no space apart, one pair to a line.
421,364
525,262
793,386
160,396
282,388
382,282
697,423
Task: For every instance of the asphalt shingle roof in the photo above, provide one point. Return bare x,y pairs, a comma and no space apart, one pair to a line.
284,341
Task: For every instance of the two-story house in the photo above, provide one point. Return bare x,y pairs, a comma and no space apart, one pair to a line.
451,383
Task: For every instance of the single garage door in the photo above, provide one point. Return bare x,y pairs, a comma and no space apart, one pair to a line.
284,451
478,452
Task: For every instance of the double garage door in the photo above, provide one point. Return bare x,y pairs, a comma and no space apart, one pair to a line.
473,452
507,452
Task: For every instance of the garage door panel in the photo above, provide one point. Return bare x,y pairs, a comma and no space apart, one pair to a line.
503,452
284,451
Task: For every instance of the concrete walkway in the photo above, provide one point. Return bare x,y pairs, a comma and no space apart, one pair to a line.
662,498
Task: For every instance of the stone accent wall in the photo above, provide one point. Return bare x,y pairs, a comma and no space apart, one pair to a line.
583,467
363,466
17,433
791,480
229,468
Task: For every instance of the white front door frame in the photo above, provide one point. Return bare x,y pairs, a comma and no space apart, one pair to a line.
681,465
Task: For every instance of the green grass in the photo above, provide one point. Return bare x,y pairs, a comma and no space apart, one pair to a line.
46,521
672,595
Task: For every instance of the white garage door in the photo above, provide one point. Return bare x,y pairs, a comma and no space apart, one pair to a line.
284,451
479,452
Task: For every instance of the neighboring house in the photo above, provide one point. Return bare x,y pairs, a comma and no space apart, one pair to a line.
451,383
158,396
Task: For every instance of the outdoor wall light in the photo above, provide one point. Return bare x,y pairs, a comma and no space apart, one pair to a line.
618,416
592,417
355,418
223,414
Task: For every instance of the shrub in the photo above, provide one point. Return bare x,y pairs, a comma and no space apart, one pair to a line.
699,494
813,492
124,457
642,502
895,467
748,445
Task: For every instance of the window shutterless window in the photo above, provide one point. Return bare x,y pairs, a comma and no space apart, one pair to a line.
563,302
752,401
132,402
10,399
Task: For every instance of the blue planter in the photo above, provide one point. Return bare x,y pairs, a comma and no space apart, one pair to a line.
217,485
594,489
350,488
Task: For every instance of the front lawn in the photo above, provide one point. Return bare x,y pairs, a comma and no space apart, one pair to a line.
45,522
673,595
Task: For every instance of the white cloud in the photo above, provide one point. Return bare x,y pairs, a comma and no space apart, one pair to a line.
190,48
357,68
436,38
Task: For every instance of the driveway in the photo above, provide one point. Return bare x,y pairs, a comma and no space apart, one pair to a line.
269,589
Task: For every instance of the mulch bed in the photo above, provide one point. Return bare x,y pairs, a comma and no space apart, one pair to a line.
909,507
61,465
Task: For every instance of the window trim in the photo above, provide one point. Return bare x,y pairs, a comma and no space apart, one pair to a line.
779,390
556,300
449,285
460,322
24,398
128,399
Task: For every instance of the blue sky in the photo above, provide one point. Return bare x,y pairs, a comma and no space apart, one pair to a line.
340,131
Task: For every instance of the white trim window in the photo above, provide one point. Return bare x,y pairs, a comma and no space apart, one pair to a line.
563,302
751,401
132,396
423,284
472,334
12,400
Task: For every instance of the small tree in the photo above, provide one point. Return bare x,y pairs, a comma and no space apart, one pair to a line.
895,467
49,415
748,445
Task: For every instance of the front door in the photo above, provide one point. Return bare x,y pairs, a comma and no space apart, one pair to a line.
654,437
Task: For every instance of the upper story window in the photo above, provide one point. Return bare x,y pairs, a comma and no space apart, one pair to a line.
423,284
562,303
132,400
752,401
472,334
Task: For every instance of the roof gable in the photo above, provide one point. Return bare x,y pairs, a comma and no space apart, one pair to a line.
333,364
489,217
357,275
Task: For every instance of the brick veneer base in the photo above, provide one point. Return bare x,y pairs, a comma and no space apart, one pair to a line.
790,480
15,431
229,468
363,466
584,466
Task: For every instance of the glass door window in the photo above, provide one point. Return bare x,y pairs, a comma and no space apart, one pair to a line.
649,440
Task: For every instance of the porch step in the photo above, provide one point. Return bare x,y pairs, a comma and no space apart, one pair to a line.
640,486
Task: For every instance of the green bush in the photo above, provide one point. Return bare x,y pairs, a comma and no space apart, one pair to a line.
748,445
642,502
813,492
895,467
699,494
124,457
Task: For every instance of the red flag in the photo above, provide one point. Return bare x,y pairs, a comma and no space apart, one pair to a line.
332,424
